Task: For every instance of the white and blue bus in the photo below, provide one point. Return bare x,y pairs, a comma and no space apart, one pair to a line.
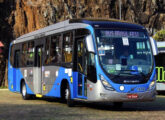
91,60
160,67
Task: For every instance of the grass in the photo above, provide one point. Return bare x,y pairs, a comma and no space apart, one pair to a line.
3,87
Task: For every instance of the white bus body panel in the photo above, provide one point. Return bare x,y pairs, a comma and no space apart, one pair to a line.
160,86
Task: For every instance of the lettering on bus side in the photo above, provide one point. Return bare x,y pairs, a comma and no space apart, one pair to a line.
160,74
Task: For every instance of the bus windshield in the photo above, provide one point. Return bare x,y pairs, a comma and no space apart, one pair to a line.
124,53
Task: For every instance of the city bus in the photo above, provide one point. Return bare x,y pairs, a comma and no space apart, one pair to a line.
94,60
160,67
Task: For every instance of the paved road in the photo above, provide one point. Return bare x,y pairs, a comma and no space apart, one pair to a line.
12,107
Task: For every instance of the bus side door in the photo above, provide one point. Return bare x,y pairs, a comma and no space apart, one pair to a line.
81,61
37,79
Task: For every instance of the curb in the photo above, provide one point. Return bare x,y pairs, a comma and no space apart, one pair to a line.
3,89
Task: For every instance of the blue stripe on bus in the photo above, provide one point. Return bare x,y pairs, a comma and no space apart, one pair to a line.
56,89
17,76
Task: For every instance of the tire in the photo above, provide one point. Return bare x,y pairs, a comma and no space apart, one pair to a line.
68,99
25,96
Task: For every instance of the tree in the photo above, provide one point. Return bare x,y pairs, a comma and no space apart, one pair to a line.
160,35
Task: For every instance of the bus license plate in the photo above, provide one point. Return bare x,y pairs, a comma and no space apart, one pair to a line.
132,96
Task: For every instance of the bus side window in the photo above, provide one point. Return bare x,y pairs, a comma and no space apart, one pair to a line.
47,53
67,47
30,54
55,50
24,54
12,55
16,59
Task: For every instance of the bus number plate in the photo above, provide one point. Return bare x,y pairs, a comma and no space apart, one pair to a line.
132,96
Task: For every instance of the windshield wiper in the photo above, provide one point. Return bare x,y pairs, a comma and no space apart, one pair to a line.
131,72
142,74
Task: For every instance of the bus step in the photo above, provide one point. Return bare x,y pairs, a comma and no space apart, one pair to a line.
39,95
79,99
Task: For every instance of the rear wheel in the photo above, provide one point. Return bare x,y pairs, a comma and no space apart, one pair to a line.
70,102
25,96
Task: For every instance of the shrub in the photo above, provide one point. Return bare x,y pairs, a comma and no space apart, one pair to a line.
160,35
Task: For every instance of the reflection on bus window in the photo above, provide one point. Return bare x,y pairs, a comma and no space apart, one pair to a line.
47,50
30,54
12,55
24,54
80,56
67,47
55,50
118,53
16,59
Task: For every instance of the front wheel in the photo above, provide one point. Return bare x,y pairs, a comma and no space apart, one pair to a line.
25,96
70,102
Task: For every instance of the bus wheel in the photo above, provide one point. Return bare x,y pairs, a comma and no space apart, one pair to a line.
25,96
117,104
70,102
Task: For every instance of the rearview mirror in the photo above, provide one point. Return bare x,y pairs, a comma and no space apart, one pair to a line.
154,46
90,44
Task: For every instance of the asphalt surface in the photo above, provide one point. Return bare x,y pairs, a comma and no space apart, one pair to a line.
13,107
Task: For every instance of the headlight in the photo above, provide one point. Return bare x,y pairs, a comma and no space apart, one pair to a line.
106,84
152,85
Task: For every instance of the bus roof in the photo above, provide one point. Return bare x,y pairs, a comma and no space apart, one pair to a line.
109,23
75,24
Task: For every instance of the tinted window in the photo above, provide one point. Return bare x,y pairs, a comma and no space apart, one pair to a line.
80,46
12,55
81,32
24,54
55,50
16,59
47,51
67,47
30,54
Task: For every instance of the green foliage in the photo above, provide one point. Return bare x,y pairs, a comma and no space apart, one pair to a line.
3,87
160,35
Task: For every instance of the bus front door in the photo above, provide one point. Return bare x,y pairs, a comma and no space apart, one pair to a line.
37,80
81,69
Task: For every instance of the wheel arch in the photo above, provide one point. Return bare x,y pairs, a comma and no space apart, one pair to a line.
63,85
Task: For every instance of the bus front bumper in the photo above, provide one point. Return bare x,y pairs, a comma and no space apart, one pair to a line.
100,94
127,97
